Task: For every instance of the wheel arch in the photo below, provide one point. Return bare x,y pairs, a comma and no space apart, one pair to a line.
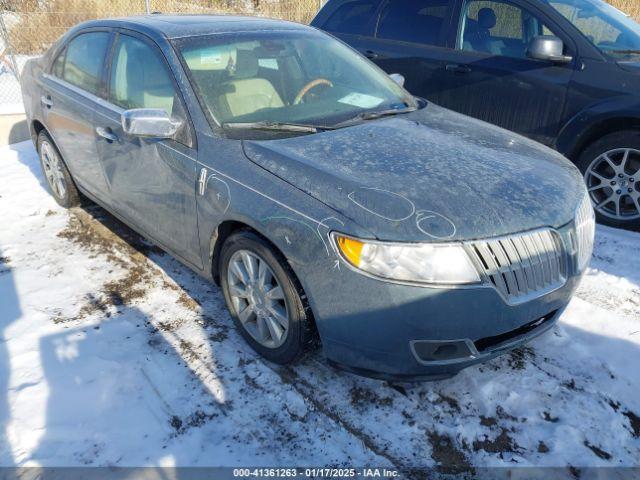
220,234
599,130
36,127
227,228
597,120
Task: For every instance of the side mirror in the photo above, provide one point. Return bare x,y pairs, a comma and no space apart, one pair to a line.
399,79
149,122
549,48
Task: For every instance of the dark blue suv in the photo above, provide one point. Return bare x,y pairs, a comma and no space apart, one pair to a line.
563,72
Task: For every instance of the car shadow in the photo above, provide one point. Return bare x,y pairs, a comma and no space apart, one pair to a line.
19,132
30,160
10,312
91,364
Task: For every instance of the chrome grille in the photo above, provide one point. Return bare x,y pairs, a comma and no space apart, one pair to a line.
523,265
585,231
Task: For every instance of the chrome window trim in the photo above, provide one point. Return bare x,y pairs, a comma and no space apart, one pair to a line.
89,96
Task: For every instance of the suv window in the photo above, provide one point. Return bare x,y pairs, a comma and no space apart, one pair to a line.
140,79
417,21
352,17
607,28
81,62
499,28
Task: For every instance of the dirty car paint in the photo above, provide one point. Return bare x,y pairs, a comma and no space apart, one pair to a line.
431,175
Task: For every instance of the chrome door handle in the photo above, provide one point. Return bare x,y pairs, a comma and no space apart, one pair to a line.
455,68
46,101
202,181
371,55
106,134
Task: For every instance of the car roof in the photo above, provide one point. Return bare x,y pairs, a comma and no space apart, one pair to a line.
175,26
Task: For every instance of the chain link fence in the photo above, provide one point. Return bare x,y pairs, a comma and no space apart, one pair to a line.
29,27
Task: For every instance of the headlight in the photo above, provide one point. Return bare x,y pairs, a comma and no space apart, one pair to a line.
585,232
446,263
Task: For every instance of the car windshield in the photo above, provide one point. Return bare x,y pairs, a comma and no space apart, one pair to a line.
272,80
609,29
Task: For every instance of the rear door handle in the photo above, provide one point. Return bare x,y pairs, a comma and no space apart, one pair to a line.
46,101
107,134
455,68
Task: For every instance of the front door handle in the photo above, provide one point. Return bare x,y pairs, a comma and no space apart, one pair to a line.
202,182
107,134
455,68
46,101
371,55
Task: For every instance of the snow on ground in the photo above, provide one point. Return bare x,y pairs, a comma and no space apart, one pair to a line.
113,354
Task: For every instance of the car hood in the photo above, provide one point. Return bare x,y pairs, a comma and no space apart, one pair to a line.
431,175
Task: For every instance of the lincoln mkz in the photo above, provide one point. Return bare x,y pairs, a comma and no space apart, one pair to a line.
331,206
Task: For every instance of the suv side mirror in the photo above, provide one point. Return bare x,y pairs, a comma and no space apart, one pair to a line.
549,48
149,122
399,79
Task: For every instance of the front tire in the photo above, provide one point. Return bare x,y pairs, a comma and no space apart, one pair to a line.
264,298
611,169
55,170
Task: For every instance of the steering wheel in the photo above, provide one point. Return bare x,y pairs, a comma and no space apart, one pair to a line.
312,84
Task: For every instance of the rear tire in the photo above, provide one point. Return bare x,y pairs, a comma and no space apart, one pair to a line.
264,309
55,170
611,169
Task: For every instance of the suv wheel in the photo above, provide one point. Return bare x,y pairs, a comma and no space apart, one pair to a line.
55,171
611,168
264,298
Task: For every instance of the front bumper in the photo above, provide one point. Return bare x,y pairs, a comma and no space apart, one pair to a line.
437,369
403,332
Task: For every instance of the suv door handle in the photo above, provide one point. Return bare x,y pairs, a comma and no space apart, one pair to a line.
455,68
46,101
371,55
107,134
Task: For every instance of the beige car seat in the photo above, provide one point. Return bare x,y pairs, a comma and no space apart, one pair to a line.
244,93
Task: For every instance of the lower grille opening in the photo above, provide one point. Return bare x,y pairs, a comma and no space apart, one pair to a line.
434,351
487,343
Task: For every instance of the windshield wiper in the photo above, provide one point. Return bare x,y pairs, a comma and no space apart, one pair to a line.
276,126
379,114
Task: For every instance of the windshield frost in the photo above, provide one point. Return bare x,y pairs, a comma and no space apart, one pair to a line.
612,31
293,77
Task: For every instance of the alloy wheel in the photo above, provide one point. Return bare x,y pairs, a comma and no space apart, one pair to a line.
613,181
258,299
53,170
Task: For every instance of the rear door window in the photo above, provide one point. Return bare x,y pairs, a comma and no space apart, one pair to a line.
416,21
352,17
82,61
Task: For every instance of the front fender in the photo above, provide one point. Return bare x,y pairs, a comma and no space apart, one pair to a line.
237,190
605,116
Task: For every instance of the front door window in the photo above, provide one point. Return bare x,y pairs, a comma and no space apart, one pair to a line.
140,79
499,28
